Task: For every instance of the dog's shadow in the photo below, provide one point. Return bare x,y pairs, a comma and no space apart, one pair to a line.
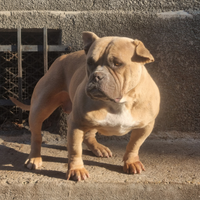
14,161
111,167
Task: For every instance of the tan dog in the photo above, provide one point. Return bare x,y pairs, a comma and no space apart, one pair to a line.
105,89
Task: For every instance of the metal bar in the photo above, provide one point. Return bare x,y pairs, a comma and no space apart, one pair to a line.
45,49
8,48
19,51
59,48
8,102
35,48
32,48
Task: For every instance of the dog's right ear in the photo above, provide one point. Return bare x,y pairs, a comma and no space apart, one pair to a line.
88,39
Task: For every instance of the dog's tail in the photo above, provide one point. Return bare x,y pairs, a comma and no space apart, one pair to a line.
19,104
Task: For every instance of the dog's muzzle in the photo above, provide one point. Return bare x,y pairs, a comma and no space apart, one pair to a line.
94,86
98,87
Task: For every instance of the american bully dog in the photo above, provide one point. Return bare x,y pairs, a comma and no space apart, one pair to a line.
105,88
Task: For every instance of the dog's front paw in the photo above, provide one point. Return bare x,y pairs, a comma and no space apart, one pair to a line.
77,174
133,166
33,163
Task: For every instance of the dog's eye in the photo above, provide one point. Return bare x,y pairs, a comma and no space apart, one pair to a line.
117,64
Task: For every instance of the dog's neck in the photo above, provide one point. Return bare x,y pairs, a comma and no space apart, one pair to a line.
114,108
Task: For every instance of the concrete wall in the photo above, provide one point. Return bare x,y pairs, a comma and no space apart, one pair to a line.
173,39
89,5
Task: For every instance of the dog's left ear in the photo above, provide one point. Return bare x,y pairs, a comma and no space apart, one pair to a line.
88,39
143,53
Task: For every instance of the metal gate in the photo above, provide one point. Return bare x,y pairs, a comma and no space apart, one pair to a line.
25,56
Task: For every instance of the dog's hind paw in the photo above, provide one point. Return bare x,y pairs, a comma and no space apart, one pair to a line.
100,150
33,163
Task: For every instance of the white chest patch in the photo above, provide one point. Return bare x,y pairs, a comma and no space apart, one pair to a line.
117,124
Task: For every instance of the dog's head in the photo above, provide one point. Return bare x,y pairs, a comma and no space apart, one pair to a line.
114,65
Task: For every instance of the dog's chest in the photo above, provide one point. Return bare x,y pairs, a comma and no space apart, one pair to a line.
117,124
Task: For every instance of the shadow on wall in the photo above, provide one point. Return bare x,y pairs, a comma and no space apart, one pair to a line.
175,46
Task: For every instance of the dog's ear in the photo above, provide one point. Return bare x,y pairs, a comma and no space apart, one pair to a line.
88,39
143,54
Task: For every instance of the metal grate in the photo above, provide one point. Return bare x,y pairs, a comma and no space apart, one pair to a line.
8,84
31,44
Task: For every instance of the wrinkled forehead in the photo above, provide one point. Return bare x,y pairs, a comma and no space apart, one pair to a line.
111,46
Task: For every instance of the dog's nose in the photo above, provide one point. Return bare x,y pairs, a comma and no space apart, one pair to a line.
98,76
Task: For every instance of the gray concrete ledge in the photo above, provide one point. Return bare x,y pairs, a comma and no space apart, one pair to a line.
171,160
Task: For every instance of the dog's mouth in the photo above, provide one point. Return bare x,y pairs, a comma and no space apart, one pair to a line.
96,93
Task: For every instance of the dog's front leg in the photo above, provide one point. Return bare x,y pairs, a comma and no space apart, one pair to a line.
132,164
76,170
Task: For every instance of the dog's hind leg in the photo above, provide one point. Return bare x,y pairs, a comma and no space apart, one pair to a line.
97,148
41,109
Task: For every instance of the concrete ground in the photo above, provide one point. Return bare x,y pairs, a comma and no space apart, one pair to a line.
172,161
